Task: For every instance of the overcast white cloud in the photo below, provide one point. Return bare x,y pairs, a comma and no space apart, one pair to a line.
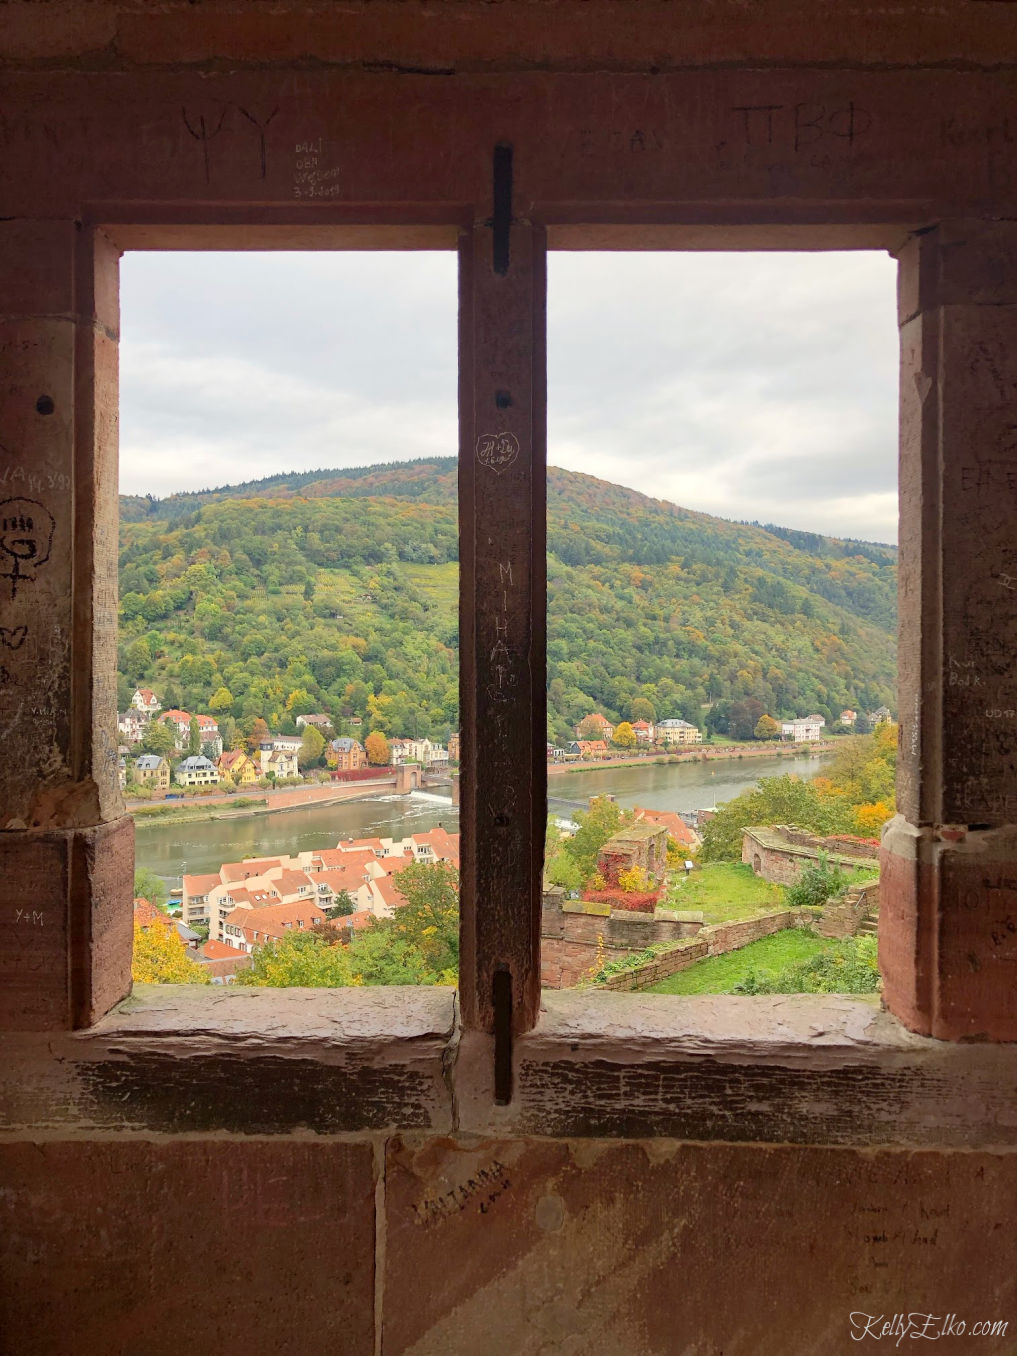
749,386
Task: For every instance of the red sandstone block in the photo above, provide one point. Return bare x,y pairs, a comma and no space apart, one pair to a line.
89,1233
566,34
948,932
65,925
527,1223
36,266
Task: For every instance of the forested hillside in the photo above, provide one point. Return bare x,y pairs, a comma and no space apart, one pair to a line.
336,591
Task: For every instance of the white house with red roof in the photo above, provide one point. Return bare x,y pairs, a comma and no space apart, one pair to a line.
195,894
247,928
180,723
208,729
146,702
643,731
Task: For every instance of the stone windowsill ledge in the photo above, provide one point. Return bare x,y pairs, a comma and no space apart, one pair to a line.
788,1069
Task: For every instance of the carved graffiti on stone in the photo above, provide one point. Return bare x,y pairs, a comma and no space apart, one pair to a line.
204,132
26,538
497,451
12,637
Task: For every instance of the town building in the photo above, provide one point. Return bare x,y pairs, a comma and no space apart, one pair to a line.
346,754
179,722
881,716
682,833
211,739
587,749
321,722
152,770
281,762
194,897
644,731
848,717
802,729
246,928
455,748
146,703
239,767
280,743
676,731
131,724
196,771
605,730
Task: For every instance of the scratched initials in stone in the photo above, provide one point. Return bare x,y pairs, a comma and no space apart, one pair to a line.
497,451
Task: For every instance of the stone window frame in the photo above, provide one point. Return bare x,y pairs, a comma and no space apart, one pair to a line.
498,1056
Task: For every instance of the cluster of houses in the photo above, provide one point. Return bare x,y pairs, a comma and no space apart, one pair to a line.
275,758
247,903
805,728
671,733
648,733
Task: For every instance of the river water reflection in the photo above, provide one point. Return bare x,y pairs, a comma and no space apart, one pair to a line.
171,849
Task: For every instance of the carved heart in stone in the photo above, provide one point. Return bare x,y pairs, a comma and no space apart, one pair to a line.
497,450
12,638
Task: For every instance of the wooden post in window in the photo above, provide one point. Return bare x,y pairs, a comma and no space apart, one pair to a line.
502,497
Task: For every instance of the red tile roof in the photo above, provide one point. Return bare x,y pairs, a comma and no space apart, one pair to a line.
359,845
257,866
213,951
200,885
289,882
146,915
335,857
444,845
356,922
272,921
386,889
675,825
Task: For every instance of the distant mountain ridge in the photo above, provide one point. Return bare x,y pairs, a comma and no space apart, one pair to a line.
341,583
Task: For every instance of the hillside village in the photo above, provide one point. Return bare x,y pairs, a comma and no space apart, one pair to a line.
163,748
160,749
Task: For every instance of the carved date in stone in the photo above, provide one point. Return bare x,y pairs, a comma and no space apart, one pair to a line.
497,451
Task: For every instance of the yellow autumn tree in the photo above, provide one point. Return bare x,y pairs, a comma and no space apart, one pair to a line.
624,736
377,749
160,959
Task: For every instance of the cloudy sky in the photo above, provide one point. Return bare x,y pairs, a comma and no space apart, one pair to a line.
751,386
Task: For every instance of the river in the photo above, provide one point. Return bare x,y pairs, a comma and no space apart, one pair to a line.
170,849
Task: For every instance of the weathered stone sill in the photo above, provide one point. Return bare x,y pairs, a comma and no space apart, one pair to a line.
800,1069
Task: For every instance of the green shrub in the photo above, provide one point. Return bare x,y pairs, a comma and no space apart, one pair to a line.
849,967
817,883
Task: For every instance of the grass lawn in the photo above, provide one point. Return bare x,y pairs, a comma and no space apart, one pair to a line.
719,974
725,892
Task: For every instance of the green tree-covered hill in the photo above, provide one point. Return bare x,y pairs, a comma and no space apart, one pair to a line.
336,590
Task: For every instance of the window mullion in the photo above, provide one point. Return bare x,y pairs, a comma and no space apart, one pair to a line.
502,496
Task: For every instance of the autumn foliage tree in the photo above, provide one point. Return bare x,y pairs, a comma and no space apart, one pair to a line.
376,746
159,957
625,736
260,734
766,727
311,747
